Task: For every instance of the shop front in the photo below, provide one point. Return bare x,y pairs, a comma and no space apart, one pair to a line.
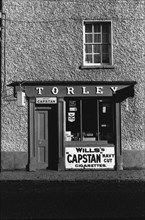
74,125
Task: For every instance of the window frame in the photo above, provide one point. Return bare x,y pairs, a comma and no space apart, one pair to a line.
99,65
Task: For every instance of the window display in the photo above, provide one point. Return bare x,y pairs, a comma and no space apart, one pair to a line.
89,119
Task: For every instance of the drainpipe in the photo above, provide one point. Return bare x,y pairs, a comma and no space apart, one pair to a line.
0,66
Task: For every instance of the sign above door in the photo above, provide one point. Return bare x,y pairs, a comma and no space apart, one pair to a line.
119,89
46,100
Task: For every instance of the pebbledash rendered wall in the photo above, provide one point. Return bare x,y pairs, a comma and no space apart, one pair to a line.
43,40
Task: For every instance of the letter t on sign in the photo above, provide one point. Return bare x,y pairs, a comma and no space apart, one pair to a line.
39,90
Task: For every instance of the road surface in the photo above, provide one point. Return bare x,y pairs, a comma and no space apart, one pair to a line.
72,199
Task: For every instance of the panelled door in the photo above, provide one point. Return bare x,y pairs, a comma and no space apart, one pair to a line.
42,138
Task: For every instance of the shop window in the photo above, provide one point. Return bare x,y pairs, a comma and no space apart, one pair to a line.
73,120
97,43
89,119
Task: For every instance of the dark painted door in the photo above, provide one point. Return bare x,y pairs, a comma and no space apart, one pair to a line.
42,138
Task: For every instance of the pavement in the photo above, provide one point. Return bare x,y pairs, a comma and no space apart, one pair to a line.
49,175
89,195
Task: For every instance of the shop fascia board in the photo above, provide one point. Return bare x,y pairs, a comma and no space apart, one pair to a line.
120,90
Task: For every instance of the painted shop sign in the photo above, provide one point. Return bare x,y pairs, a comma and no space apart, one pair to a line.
46,100
89,158
61,91
71,90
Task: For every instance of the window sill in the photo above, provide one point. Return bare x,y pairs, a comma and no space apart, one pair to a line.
87,143
97,67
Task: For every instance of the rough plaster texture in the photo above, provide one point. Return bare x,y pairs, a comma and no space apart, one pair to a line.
14,127
44,41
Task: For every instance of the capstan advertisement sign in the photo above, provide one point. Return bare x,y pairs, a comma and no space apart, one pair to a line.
89,158
46,100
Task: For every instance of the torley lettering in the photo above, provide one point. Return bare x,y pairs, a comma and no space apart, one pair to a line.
99,90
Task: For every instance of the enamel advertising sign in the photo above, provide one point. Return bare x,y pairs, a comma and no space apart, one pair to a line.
46,100
89,158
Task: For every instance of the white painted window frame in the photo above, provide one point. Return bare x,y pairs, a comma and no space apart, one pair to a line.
111,42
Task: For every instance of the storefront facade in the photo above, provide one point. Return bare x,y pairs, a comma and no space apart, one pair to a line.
74,125
73,86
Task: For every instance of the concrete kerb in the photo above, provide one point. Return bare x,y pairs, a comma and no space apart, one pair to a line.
134,175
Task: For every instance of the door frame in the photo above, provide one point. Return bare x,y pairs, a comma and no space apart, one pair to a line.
32,108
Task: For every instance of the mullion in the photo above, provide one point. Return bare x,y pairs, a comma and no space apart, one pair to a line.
101,43
81,123
98,122
92,43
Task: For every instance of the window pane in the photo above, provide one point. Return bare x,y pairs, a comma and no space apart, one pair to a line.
88,58
88,38
88,48
105,58
105,48
96,48
105,28
105,38
97,27
89,119
106,121
88,28
97,58
97,38
72,120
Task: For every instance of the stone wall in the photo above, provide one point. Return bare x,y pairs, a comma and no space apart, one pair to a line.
44,41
